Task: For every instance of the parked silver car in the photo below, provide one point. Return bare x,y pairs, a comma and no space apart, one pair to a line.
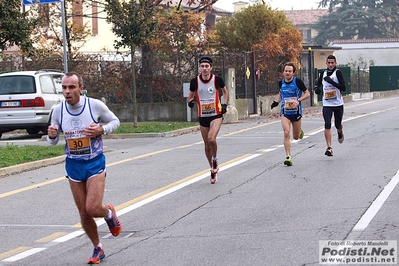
27,99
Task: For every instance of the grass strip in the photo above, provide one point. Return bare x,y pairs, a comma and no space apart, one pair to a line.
152,127
12,154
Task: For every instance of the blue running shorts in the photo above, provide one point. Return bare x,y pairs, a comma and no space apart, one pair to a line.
82,170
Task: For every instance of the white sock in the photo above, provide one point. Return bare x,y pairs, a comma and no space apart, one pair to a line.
109,216
99,245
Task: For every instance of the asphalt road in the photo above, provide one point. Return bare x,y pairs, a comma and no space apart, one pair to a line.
260,212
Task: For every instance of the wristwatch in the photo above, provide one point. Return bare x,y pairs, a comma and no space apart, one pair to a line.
105,130
299,100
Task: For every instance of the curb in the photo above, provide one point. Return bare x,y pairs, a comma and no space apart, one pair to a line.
31,165
10,170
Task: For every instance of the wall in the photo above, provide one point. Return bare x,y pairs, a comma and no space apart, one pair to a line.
152,112
380,57
242,108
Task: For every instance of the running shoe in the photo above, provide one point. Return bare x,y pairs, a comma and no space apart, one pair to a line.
301,134
114,224
341,137
329,152
288,161
214,171
213,176
97,257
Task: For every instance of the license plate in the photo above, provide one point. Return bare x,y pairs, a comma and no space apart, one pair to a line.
10,104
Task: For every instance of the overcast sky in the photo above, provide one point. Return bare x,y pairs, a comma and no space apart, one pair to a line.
279,4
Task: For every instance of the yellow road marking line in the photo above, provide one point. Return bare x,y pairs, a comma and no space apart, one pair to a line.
250,128
50,237
139,157
13,252
31,187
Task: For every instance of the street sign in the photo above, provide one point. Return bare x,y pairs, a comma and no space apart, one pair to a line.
31,2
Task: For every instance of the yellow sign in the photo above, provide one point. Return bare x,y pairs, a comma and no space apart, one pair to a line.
248,73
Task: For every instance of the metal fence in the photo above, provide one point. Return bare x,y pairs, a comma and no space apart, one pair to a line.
384,78
360,80
160,77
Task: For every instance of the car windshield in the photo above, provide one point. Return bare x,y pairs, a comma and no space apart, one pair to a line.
17,85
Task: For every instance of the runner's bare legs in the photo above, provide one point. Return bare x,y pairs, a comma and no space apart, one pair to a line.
209,135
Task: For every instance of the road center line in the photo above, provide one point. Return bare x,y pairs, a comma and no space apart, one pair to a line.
250,128
13,252
31,187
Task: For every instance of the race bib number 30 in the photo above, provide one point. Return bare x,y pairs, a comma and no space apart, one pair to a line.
79,146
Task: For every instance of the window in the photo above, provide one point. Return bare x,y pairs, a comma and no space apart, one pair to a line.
16,85
306,34
57,82
47,84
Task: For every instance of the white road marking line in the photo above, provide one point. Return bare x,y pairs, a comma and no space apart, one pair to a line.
128,235
69,236
377,204
24,254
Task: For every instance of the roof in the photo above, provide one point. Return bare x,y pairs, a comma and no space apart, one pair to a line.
305,17
379,43
193,6
379,40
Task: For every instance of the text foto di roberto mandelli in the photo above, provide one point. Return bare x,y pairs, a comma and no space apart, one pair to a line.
359,242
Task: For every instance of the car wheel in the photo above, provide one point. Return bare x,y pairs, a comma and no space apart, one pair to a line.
32,131
44,130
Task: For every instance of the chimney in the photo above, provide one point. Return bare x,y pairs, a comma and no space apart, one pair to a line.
240,5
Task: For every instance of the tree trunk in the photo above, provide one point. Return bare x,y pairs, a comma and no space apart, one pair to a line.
134,89
146,74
